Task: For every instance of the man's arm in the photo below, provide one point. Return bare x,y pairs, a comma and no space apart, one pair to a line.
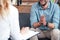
37,24
55,22
33,18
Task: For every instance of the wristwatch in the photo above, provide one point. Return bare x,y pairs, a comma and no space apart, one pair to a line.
47,24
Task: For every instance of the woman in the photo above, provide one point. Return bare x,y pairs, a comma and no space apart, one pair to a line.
9,22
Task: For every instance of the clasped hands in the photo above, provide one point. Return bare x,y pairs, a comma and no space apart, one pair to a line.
42,20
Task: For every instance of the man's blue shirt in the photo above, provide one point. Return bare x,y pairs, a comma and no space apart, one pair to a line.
51,14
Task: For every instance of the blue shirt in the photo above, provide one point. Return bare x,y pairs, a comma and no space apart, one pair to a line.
59,21
51,14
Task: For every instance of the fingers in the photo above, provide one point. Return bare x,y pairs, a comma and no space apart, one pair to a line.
43,20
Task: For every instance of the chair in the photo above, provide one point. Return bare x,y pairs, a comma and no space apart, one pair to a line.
24,20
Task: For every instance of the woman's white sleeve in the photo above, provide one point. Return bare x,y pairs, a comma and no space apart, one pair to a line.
14,25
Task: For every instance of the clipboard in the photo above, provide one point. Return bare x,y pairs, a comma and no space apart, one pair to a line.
29,34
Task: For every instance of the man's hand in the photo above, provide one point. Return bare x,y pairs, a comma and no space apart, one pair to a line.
36,24
43,20
50,25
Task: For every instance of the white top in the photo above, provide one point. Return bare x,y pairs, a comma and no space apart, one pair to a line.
10,25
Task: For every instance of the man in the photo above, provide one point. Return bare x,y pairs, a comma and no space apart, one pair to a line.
44,18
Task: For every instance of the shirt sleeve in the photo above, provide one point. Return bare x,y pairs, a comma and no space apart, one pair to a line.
56,16
33,15
14,25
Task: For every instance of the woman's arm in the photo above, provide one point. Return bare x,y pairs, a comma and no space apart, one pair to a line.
14,25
